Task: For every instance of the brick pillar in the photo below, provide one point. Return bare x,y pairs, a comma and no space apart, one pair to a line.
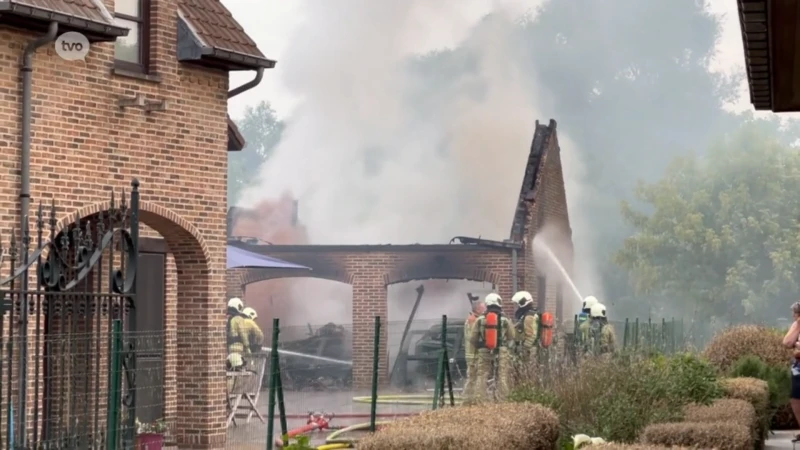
369,300
234,283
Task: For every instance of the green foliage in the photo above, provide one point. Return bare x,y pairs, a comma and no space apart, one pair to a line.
691,377
778,379
262,132
721,234
301,442
616,398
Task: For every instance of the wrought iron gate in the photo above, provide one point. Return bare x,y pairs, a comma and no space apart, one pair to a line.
67,334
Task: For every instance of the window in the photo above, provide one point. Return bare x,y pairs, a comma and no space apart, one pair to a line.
132,52
541,294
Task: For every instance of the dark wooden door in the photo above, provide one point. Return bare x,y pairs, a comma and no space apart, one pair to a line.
150,362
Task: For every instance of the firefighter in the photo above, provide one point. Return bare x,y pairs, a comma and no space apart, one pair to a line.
478,308
492,361
238,344
526,319
597,335
254,334
606,339
586,310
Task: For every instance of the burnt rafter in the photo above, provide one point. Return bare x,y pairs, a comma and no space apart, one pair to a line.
530,180
439,266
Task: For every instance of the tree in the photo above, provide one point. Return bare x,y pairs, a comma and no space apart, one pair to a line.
720,234
262,131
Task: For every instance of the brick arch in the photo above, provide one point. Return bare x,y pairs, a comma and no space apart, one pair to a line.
251,276
197,333
176,230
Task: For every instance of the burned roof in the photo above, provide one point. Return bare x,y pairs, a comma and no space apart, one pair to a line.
208,31
541,139
88,16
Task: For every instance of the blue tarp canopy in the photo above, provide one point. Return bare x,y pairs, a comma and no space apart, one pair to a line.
241,258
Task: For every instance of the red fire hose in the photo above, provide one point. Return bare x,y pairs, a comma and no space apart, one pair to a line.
316,421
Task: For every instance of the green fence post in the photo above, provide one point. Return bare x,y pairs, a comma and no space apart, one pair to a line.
376,354
625,335
636,334
439,386
663,338
274,373
446,359
279,394
114,387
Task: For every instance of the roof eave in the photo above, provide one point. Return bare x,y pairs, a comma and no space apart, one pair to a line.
236,141
100,31
754,21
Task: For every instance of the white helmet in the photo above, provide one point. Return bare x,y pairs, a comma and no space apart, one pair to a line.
236,303
598,311
250,312
522,298
588,302
493,299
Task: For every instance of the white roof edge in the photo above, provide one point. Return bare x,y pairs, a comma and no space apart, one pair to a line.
104,11
191,27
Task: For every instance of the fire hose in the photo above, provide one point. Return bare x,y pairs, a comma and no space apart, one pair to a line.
409,399
334,438
316,421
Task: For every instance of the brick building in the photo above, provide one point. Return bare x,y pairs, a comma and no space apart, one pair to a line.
148,102
370,269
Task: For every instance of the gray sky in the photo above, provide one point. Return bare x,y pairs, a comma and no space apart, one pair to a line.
271,22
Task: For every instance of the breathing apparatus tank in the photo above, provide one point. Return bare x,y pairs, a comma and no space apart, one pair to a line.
491,330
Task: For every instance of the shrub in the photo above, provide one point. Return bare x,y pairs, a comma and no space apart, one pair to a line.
756,392
615,446
726,410
512,426
691,377
733,343
616,398
721,435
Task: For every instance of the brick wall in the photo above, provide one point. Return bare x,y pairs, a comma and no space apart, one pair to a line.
371,269
83,146
548,209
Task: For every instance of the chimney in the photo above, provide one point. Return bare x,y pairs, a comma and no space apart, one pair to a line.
294,212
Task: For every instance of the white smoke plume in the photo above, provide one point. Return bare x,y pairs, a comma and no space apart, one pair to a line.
347,62
365,167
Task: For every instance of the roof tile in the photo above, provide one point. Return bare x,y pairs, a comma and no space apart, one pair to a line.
82,9
217,28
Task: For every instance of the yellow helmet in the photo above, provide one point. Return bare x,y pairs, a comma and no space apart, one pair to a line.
250,312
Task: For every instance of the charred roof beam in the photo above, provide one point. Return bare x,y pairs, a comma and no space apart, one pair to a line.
507,244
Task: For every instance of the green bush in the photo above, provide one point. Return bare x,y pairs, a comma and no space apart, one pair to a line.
616,398
779,381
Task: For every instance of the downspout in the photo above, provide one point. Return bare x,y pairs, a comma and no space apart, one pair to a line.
514,270
249,85
25,205
27,88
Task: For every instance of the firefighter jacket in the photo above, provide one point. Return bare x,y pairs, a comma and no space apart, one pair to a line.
238,340
469,349
255,337
527,327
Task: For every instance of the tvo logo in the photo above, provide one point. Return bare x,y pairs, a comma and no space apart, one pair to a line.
72,46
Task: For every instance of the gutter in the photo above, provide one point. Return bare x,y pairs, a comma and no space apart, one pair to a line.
25,197
249,85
